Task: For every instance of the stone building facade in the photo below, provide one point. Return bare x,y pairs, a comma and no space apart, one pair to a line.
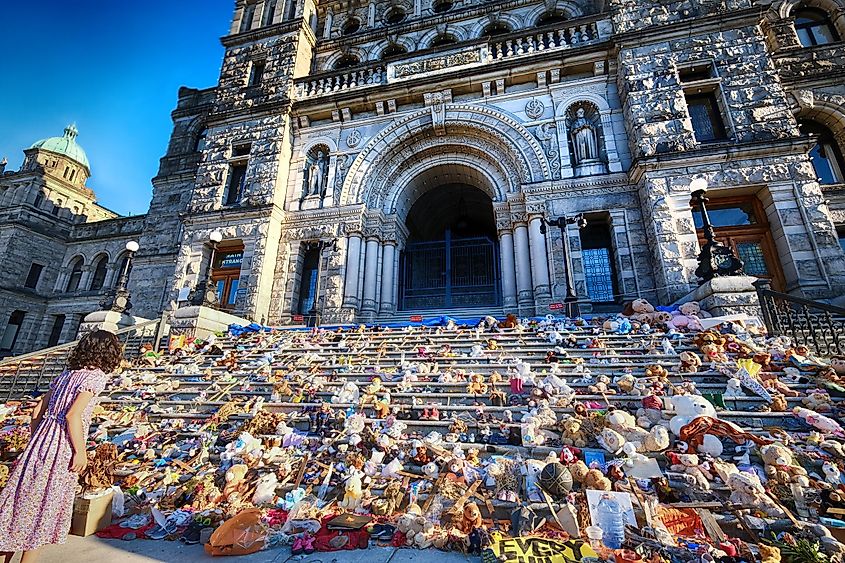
431,137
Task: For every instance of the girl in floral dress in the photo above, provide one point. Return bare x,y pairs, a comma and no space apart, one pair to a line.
37,503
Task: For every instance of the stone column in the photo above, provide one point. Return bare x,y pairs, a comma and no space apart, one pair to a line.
353,258
539,259
508,268
525,293
388,264
85,281
327,29
368,305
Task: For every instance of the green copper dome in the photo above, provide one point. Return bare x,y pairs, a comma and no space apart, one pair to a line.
65,145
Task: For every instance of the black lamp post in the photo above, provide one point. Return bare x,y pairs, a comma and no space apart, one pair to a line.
715,259
571,299
204,293
313,319
117,299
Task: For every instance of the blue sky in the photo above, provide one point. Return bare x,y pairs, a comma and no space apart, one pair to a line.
114,68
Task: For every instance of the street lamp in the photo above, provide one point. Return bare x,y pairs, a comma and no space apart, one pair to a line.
571,299
715,259
117,299
204,293
320,245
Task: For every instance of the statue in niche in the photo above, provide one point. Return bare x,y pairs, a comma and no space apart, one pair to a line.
584,138
315,180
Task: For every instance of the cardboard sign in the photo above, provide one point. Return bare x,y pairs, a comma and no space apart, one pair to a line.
555,306
528,549
416,318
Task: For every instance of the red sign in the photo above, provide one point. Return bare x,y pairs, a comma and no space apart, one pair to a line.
555,306
298,318
416,318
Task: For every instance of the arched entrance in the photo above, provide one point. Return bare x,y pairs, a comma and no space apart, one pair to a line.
451,258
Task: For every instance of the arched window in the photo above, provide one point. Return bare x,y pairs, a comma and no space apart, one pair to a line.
825,154
393,50
351,26
122,260
200,141
75,276
346,61
551,17
441,6
814,27
394,15
495,28
98,280
443,39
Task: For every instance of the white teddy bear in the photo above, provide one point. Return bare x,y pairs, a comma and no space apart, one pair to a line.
734,389
688,408
349,393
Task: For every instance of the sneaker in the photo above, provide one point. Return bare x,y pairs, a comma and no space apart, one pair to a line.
425,415
296,548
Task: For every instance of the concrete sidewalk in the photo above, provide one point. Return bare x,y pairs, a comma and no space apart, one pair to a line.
93,549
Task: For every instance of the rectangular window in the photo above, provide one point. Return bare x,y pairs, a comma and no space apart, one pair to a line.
256,73
33,276
237,179
56,331
13,328
246,19
841,234
706,120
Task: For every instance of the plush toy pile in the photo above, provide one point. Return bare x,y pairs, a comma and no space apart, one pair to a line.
692,444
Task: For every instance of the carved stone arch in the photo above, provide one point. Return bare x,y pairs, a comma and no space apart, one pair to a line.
583,96
570,9
74,258
332,59
101,254
377,49
306,148
511,20
458,32
497,131
786,8
827,109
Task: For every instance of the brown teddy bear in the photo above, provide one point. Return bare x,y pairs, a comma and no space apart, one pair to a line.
781,466
571,433
656,371
595,479
714,353
601,386
690,362
476,384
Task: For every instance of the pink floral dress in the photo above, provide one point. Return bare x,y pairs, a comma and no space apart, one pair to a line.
37,503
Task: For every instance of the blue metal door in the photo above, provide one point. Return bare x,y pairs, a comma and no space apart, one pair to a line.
461,272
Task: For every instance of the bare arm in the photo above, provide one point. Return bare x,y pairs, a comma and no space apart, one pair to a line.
38,412
74,429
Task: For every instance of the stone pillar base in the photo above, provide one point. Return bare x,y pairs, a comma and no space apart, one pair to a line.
731,295
202,322
107,320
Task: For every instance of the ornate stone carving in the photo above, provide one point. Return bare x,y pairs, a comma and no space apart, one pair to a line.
353,139
437,63
534,108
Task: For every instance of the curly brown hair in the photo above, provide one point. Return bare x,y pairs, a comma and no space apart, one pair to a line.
97,349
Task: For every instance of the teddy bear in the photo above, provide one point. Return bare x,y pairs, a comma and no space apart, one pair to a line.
353,492
531,469
733,389
600,387
691,465
818,400
571,432
595,480
656,371
639,310
234,481
747,490
476,385
781,466
689,407
611,440
626,425
768,554
265,490
579,470
714,353
626,383
657,439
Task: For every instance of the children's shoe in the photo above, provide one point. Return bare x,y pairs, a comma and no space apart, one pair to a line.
308,545
435,414
296,548
425,415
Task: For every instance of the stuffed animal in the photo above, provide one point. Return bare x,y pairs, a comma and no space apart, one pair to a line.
747,490
600,387
781,466
819,421
733,389
690,362
768,554
831,473
687,408
390,499
714,353
595,480
625,424
689,464
656,371
611,440
657,439
511,321
572,433
531,469
265,490
234,480
352,492
476,385
639,310
818,400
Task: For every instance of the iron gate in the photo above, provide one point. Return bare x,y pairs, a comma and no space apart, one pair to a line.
449,273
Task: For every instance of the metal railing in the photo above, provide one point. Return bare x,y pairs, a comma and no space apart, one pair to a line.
27,373
819,326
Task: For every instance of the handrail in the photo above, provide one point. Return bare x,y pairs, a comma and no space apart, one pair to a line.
67,345
819,326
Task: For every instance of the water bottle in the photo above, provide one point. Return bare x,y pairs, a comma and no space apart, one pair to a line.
611,521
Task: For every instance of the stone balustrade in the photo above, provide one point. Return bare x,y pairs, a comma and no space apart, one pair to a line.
340,81
538,41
